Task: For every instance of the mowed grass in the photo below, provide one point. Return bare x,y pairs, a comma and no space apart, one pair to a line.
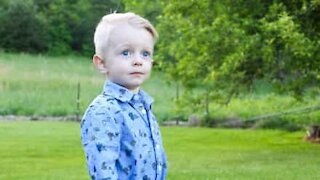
52,150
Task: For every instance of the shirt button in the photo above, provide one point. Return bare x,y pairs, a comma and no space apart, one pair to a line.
157,146
159,167
142,110
135,97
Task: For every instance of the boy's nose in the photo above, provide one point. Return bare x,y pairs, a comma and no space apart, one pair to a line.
137,60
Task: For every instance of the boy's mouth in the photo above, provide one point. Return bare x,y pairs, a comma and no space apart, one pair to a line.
136,73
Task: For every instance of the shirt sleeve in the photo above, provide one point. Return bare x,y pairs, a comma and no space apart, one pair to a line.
165,165
100,135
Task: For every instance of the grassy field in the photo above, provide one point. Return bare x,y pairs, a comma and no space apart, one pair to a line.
52,150
42,85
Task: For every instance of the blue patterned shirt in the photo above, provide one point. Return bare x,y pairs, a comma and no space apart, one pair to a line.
121,137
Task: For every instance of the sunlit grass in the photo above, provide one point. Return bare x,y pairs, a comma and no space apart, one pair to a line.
52,150
198,153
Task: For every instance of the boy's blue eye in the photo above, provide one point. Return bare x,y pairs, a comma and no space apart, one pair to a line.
145,54
125,53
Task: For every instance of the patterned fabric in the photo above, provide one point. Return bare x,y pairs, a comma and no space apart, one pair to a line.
121,137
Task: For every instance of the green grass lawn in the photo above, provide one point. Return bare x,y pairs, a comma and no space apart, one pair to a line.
52,150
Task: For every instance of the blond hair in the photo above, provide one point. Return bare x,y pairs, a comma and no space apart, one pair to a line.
108,22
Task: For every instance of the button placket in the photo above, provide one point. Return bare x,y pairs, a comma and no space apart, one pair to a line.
140,108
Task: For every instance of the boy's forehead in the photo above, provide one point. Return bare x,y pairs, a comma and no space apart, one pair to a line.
125,33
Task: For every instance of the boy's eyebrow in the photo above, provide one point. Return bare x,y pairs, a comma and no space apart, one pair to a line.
128,45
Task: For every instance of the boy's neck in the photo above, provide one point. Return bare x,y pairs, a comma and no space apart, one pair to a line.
135,91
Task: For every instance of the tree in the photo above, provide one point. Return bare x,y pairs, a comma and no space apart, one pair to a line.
54,26
148,9
225,46
21,27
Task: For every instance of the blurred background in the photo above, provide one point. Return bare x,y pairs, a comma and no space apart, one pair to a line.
249,64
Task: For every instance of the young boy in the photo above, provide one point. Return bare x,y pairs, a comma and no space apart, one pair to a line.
119,133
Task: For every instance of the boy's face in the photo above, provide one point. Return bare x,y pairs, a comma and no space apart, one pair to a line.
128,57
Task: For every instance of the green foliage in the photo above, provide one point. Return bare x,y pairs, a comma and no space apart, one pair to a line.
60,27
56,27
289,54
148,9
224,47
278,123
21,27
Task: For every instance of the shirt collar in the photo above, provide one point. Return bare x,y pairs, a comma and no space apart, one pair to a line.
123,94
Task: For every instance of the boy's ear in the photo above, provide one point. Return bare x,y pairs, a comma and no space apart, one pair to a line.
100,64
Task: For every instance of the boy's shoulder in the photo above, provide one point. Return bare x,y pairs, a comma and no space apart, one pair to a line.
102,110
103,102
103,106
